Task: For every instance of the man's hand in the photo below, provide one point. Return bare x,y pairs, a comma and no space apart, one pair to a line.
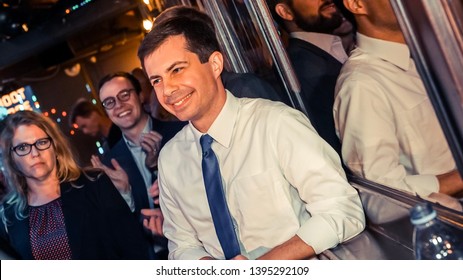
117,175
152,220
151,144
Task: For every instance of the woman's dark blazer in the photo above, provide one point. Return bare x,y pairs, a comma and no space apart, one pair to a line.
99,223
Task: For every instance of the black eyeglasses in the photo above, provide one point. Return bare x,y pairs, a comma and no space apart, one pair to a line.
24,149
122,96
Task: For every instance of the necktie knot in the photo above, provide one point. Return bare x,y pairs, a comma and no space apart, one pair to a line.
206,143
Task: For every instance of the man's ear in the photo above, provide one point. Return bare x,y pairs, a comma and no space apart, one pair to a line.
216,62
356,7
284,11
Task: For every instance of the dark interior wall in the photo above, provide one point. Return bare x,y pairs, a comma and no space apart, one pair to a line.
122,57
60,91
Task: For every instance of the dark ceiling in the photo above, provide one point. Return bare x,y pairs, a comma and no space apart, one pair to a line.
37,34
17,16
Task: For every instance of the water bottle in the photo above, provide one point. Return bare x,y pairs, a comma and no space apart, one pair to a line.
433,239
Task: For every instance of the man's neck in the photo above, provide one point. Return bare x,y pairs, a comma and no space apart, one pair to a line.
386,35
133,133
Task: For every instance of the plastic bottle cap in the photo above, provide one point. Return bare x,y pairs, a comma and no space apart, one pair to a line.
422,213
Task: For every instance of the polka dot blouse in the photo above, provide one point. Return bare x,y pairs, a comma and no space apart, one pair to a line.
48,236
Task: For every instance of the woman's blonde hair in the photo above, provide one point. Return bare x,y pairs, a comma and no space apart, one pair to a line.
67,167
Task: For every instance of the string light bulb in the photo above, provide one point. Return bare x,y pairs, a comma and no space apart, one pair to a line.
147,24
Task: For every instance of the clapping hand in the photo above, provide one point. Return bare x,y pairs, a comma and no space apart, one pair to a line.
117,175
151,144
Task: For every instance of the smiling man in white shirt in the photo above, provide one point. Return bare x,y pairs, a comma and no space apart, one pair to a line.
284,186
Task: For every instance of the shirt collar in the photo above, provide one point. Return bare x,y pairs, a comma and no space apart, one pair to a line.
395,53
331,44
146,129
222,127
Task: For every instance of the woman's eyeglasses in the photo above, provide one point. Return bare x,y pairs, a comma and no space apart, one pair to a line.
24,149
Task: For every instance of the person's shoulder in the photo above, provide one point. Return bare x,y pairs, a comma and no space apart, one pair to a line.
310,60
363,64
91,183
90,189
270,116
89,176
261,108
298,44
181,134
298,48
361,68
361,79
261,103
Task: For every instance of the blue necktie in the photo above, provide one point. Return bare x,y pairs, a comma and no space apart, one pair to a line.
216,198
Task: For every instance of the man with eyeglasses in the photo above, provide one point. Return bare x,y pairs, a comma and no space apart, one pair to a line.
142,137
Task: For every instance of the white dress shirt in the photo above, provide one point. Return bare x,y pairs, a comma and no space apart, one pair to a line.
280,179
331,44
387,125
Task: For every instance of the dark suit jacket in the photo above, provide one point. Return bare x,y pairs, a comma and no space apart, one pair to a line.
99,223
124,157
114,136
317,72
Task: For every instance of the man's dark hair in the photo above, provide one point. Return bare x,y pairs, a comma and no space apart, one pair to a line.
134,81
196,26
82,108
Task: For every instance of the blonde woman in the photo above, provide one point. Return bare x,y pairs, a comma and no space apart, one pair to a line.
55,210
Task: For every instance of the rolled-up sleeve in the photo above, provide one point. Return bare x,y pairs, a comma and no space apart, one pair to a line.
314,169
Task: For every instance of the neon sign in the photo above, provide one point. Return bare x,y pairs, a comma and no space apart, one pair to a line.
21,99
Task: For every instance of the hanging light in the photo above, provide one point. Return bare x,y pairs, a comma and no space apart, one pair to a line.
147,24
